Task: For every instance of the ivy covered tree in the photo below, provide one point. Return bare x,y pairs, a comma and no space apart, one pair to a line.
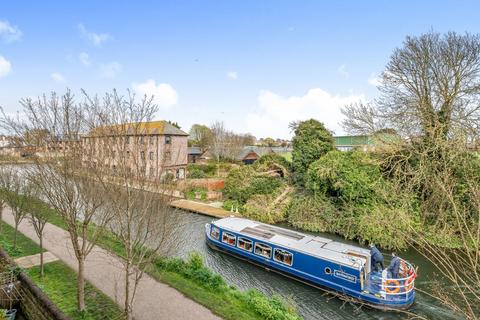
311,141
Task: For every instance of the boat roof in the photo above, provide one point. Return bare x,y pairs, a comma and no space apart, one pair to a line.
320,247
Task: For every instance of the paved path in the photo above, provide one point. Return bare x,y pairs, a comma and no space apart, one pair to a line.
154,300
34,260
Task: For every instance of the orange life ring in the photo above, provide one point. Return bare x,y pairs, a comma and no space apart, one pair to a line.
409,281
391,282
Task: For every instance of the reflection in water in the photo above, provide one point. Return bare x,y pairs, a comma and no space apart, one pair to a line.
311,303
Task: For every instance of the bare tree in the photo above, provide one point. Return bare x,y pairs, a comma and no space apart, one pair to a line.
5,182
38,215
227,144
140,218
201,136
430,87
58,173
430,95
17,198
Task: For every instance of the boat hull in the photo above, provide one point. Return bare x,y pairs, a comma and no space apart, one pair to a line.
367,300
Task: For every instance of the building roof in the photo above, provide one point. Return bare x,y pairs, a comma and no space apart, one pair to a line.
195,150
260,151
161,127
352,141
315,246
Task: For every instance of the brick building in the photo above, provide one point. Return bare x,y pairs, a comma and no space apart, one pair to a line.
155,149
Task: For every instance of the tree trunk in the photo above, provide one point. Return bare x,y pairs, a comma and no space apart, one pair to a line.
81,285
1,219
15,237
128,309
41,256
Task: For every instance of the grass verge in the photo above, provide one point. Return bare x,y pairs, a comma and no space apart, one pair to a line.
25,246
196,281
60,285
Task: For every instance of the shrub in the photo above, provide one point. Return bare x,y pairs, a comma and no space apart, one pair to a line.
272,161
274,308
196,173
244,182
209,169
348,176
312,212
191,193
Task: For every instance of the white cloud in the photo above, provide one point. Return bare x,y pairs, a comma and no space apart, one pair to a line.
343,71
97,39
57,77
8,32
233,75
5,67
374,80
110,70
84,58
275,112
164,94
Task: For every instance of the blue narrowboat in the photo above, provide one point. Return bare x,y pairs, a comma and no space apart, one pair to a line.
333,266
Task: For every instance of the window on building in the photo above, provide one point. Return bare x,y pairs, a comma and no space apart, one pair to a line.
245,244
168,139
150,155
152,139
283,256
141,140
142,155
168,155
127,140
263,250
152,172
181,173
228,238
128,154
215,233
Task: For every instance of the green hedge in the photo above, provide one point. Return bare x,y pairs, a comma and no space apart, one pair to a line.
220,297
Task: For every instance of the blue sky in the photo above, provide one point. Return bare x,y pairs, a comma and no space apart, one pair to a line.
256,65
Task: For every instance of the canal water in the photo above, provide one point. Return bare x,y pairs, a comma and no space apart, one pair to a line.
311,303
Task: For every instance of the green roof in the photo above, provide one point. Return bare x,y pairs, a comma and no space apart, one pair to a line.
353,141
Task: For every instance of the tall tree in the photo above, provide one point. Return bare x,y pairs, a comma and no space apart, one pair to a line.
430,88
430,94
17,198
59,175
139,219
311,141
5,182
38,215
201,136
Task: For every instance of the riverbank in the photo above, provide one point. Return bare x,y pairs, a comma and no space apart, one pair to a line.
190,277
201,208
105,270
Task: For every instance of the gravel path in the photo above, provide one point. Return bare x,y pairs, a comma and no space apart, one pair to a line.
154,300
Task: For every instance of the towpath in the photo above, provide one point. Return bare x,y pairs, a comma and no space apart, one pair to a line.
154,300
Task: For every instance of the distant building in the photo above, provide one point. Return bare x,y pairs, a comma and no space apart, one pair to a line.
157,147
250,154
194,154
348,143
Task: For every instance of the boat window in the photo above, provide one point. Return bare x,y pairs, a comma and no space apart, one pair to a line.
228,238
283,256
215,233
263,250
245,244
